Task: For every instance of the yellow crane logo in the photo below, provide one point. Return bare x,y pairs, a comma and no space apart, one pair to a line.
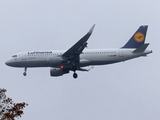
139,37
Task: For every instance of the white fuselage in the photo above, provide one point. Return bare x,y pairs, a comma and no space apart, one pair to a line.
76,57
88,57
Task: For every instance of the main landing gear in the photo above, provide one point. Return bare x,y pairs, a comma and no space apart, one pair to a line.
75,75
25,71
74,68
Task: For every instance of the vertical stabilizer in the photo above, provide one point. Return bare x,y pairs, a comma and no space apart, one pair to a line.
138,38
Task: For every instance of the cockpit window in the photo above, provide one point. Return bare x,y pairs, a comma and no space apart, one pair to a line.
14,56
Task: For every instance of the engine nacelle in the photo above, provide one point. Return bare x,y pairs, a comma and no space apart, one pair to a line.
58,71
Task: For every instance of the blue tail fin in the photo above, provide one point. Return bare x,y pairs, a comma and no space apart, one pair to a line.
137,39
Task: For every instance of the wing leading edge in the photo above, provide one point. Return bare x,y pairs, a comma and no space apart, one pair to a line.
78,47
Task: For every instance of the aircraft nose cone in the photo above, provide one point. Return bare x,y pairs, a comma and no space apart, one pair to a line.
8,62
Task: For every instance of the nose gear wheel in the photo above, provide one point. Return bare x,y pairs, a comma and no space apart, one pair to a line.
25,71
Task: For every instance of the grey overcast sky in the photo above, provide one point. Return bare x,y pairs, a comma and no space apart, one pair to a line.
124,91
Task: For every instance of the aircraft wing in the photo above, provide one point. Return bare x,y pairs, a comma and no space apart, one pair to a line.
78,47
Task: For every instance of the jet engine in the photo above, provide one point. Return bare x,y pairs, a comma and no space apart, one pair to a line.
58,71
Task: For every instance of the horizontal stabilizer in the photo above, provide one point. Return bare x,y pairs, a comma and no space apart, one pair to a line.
141,48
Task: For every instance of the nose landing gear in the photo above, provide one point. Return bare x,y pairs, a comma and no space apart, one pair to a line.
25,71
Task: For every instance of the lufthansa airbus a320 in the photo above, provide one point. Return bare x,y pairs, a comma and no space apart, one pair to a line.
75,58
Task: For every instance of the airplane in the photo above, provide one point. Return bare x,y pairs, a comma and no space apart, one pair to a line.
75,58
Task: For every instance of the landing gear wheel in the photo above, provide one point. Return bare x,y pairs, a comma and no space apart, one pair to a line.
24,73
25,70
75,75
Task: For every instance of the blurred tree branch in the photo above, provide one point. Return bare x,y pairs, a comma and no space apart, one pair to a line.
8,109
